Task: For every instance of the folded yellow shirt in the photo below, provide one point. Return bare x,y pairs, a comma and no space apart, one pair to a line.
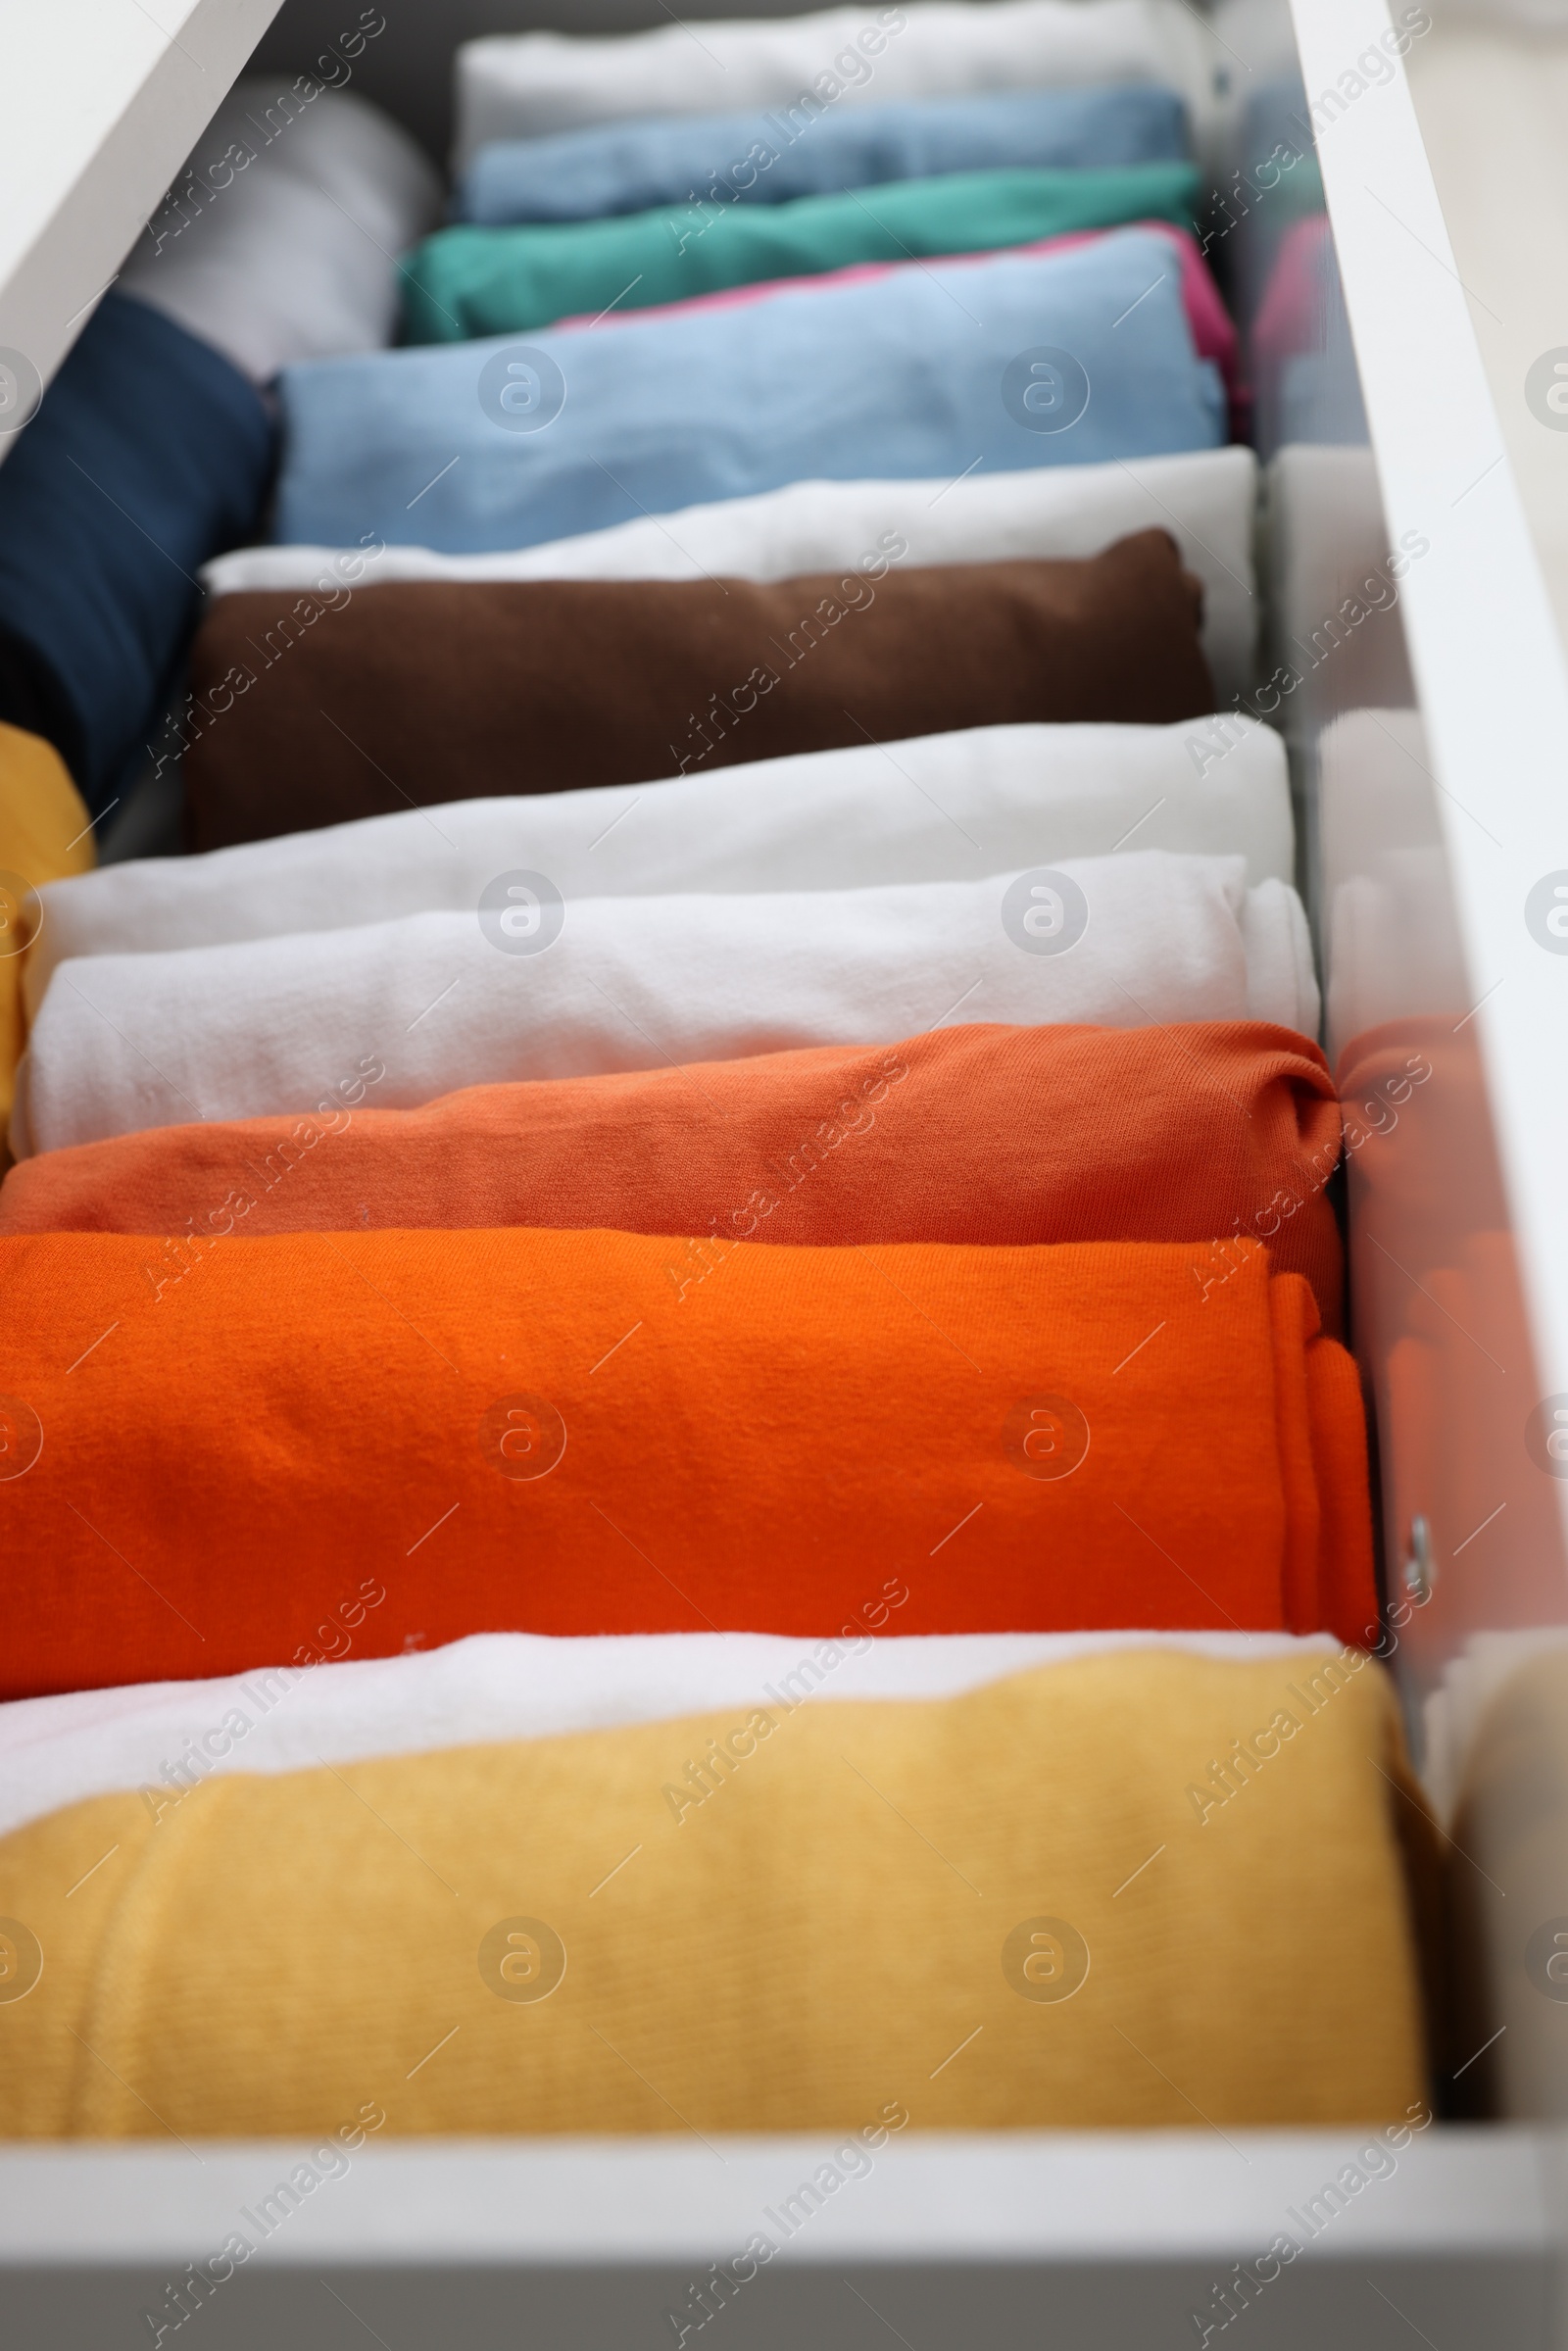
45,834
1034,1905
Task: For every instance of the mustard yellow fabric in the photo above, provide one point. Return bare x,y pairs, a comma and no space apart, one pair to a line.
44,836
866,1916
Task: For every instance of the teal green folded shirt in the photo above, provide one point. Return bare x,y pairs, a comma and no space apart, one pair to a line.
468,281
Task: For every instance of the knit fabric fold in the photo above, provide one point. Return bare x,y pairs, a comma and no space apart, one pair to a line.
520,85
608,1432
767,158
465,282
529,986
942,807
463,688
999,1135
330,1705
149,454
1205,501
897,372
707,1924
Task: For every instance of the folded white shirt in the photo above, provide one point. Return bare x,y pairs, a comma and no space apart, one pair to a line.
942,807
293,254
167,1737
521,85
542,988
1205,500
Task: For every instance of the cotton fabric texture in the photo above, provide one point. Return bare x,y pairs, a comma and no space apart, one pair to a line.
896,374
463,687
166,1738
943,808
1213,333
763,158
45,834
465,281
1002,1135
1205,501
749,1968
408,1010
514,85
279,241
150,453
1068,1438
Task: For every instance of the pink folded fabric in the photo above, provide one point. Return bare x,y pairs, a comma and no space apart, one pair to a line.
1213,333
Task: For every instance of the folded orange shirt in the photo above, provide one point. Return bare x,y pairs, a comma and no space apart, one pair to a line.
989,1134
562,1433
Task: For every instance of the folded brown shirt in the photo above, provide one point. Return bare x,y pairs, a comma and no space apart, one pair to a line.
308,711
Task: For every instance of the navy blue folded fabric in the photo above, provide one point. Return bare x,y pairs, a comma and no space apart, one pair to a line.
149,454
769,158
920,371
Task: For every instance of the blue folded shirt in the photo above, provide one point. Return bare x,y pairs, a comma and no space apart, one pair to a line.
149,454
768,158
923,372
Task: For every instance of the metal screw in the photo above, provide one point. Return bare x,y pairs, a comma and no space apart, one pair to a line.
1420,1574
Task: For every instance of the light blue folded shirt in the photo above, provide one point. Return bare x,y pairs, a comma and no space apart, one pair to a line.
769,158
921,372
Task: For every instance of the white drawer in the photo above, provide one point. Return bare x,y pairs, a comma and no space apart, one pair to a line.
1424,838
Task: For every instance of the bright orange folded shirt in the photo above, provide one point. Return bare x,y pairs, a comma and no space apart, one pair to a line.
557,1432
970,1134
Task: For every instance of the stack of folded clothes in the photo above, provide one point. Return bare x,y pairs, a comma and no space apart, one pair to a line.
674,1318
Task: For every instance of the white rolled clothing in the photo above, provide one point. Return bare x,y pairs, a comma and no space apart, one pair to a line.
410,1010
167,1737
942,807
1206,501
293,253
524,85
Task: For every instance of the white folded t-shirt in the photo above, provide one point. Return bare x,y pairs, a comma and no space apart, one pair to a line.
522,85
940,807
543,989
1205,500
166,1738
293,254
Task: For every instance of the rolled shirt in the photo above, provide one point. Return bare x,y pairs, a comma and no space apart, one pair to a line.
149,454
532,988
278,240
1103,1435
902,372
1001,1135
1205,501
943,808
326,1706
413,691
1213,333
521,85
437,1944
465,281
768,158
45,835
